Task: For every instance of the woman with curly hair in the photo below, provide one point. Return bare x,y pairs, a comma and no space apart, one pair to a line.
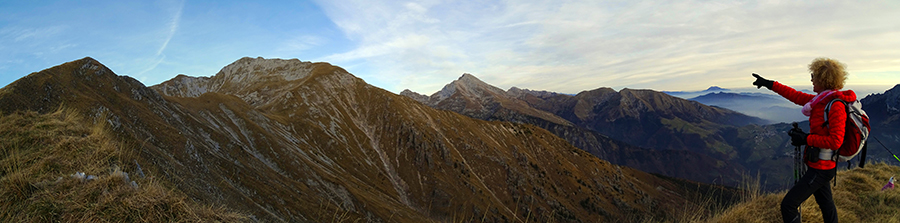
828,77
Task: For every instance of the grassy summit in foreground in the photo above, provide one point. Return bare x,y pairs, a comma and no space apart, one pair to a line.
858,198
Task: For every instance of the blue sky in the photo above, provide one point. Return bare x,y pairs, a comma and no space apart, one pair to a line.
563,46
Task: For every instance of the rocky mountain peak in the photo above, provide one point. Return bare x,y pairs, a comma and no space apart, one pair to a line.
892,100
257,81
250,69
184,86
415,96
469,85
716,88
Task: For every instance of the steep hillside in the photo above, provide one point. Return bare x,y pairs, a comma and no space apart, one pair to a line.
285,140
472,97
56,167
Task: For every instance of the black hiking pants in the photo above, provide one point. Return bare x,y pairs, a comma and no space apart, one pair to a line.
814,182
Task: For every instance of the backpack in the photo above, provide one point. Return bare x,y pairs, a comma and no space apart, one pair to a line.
856,131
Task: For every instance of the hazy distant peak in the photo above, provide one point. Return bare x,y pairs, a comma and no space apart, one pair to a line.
716,88
518,92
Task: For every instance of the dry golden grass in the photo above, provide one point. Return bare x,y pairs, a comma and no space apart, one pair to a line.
39,153
858,197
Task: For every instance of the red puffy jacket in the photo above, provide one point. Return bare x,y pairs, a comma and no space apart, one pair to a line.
820,135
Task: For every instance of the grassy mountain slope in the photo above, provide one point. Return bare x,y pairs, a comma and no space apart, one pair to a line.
40,155
285,140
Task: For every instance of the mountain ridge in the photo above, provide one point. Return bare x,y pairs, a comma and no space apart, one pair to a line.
575,109
329,143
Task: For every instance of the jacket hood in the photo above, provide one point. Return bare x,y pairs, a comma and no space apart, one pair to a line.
847,96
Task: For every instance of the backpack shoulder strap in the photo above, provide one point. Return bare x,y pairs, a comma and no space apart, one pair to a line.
828,107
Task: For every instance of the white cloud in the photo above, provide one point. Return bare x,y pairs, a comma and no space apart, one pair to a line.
570,46
173,27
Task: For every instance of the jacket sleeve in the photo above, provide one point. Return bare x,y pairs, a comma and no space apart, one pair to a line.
791,94
834,137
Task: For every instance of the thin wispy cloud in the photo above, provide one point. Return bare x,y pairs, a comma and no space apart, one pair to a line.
19,34
571,46
172,29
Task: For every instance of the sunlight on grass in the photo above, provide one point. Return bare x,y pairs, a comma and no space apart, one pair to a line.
858,198
53,167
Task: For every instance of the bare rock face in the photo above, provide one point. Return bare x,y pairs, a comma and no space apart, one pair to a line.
421,98
285,140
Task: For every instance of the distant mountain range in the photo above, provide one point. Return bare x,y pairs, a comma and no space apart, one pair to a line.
648,130
642,124
769,107
286,140
691,94
472,97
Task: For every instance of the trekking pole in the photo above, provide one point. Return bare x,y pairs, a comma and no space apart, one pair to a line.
885,148
798,160
798,165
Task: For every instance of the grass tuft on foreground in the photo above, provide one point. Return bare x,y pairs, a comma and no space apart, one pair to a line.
858,198
54,167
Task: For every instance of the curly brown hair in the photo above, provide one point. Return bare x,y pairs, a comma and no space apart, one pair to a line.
828,73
